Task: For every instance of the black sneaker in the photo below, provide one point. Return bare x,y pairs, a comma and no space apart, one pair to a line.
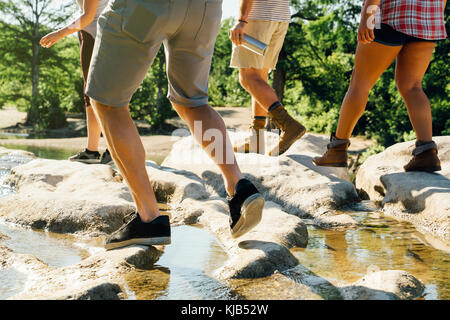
86,156
246,208
106,158
136,231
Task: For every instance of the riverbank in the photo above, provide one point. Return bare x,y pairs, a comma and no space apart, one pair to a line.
13,134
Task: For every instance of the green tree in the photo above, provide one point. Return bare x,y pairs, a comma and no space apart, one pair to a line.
23,23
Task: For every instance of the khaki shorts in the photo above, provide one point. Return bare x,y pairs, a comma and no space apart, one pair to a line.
270,32
129,36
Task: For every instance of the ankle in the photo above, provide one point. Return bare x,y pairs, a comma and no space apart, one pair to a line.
148,217
91,151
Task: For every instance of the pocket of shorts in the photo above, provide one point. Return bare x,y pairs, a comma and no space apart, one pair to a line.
210,22
144,20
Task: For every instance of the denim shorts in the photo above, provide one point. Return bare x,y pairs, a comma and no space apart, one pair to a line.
129,36
389,36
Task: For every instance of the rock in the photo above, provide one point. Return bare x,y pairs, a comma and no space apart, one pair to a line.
385,285
337,221
101,276
258,253
11,158
66,197
291,180
173,186
420,198
3,237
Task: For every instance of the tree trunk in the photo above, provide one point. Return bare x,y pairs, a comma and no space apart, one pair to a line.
279,76
32,115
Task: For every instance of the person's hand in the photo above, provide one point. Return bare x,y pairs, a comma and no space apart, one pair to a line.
51,38
237,33
366,27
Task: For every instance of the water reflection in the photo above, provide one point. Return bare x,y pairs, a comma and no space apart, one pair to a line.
380,244
185,269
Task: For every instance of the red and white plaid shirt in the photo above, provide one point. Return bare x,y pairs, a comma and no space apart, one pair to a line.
418,18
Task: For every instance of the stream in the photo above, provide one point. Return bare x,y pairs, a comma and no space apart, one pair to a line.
185,269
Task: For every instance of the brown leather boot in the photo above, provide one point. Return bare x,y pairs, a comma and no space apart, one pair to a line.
291,130
425,158
336,155
255,142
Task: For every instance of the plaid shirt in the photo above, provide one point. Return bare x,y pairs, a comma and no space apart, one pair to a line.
418,18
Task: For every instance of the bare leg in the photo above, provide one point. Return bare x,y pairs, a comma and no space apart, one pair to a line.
93,129
412,63
371,61
257,109
254,81
128,153
210,119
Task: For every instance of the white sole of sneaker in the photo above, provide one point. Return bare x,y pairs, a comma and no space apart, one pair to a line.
251,214
86,161
144,241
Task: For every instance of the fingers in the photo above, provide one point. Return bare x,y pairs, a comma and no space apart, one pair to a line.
46,42
237,36
366,36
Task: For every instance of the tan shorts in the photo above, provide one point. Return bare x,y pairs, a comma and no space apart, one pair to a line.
270,32
129,35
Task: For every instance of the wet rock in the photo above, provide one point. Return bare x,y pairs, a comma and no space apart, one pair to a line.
385,285
335,221
291,180
173,186
11,158
101,276
66,197
417,197
104,291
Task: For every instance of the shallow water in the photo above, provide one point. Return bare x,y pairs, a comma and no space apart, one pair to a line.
185,269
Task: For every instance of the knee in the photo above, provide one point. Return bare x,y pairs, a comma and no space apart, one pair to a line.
248,79
359,90
406,87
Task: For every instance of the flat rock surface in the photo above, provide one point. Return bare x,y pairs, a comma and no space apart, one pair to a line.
66,197
98,277
291,180
418,197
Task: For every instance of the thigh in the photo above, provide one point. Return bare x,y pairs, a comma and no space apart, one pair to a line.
86,49
242,57
189,54
119,63
371,60
412,63
275,44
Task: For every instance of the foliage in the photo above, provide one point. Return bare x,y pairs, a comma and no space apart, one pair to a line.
316,64
149,102
374,149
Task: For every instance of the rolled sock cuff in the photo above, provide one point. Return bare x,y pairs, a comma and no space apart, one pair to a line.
259,118
422,147
274,106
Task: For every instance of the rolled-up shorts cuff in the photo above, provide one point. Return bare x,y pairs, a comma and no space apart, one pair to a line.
188,103
105,102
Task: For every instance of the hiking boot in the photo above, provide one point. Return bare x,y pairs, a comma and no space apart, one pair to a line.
291,130
336,155
106,158
86,156
246,208
255,142
135,231
425,158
